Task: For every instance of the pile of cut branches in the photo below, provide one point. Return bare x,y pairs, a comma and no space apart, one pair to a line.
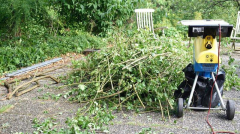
136,71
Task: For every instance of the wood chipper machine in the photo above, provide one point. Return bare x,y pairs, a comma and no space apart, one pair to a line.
203,87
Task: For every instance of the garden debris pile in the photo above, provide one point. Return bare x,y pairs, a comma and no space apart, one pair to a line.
137,71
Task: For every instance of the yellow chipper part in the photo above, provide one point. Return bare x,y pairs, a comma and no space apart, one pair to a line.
206,50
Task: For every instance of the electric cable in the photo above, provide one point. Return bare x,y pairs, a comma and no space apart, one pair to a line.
212,90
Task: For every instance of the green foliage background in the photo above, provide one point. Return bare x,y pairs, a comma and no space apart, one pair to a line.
145,71
100,16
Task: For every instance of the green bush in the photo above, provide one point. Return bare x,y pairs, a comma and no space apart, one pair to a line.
24,51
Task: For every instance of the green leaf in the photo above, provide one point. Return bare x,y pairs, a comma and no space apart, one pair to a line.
82,87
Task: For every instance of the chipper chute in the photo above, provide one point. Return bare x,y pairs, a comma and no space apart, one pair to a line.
201,75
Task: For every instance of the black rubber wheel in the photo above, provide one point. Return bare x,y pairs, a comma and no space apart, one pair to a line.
180,108
230,109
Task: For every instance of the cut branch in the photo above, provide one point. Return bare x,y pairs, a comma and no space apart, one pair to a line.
9,96
27,90
138,96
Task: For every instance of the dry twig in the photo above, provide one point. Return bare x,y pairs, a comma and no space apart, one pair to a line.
27,90
138,96
161,109
9,96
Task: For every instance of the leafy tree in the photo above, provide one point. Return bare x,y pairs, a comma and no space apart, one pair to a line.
17,13
98,15
170,12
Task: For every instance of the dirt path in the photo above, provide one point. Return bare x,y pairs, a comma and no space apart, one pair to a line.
39,104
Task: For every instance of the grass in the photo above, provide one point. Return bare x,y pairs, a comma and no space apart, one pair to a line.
5,108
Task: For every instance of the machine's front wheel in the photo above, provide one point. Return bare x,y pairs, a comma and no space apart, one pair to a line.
180,107
230,109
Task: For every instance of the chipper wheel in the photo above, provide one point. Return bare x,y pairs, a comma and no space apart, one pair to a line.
180,107
230,109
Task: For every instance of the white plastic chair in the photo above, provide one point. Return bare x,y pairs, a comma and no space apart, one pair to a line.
236,31
144,19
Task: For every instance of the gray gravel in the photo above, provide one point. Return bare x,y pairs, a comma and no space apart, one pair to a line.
193,122
28,106
32,105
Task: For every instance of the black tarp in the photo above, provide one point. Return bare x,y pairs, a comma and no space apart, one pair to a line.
201,96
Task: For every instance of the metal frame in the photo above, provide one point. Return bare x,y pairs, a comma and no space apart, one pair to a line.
145,19
223,107
235,32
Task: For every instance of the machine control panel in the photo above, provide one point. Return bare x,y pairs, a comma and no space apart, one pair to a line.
209,58
205,50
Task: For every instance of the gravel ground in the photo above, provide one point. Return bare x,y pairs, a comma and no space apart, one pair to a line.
193,122
36,104
28,106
